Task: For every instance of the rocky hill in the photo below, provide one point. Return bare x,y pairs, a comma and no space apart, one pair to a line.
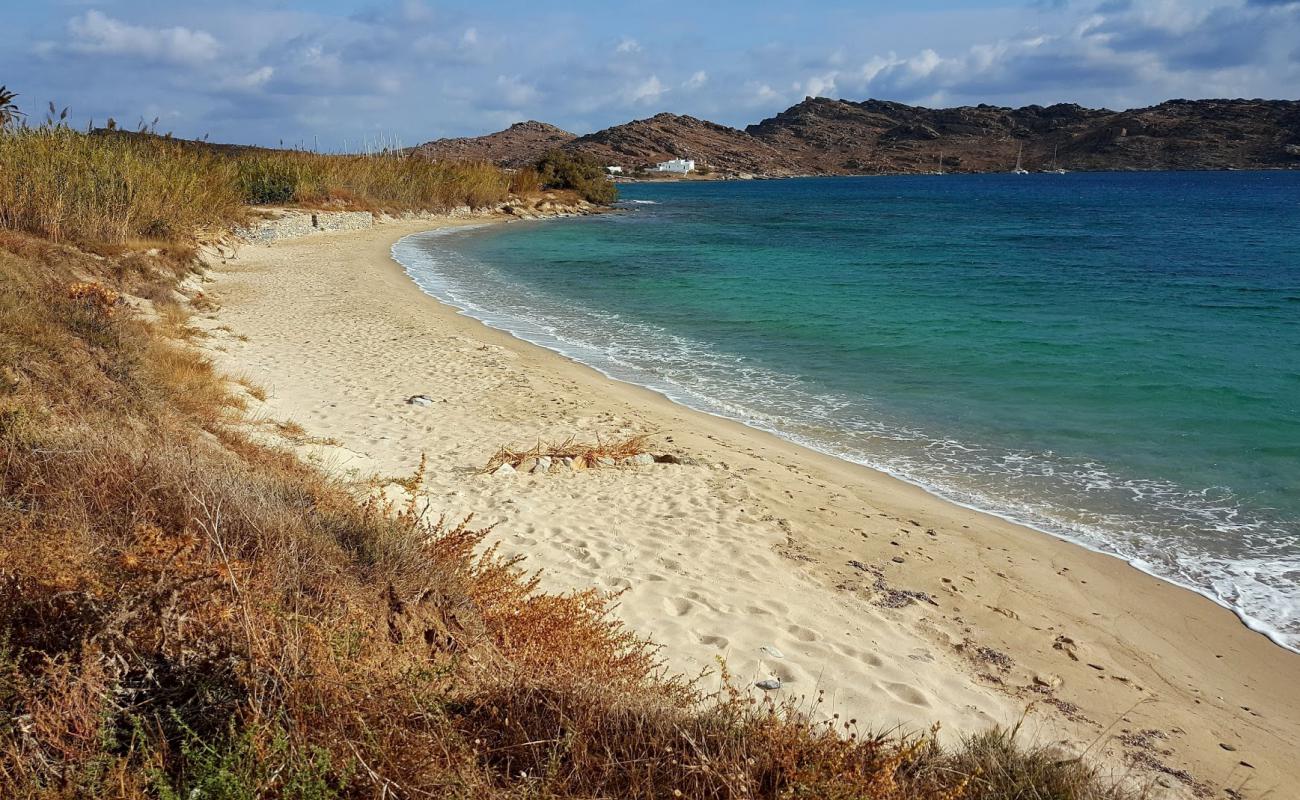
838,137
666,136
519,145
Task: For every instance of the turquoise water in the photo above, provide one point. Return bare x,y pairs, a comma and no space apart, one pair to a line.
1113,358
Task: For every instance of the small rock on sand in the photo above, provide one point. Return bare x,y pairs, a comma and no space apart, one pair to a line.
543,465
604,461
504,469
639,460
772,651
769,684
528,465
419,400
1049,680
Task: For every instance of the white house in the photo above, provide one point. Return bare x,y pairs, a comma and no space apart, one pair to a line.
614,170
680,166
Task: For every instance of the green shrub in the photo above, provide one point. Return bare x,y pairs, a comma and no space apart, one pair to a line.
581,173
265,182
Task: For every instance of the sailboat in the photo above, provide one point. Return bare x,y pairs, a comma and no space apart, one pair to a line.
1019,170
1055,170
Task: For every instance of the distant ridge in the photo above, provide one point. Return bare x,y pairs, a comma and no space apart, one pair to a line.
666,136
519,145
820,136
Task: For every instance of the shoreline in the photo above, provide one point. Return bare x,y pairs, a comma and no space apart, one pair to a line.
1256,626
1011,600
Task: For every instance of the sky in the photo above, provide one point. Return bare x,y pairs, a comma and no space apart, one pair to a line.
346,74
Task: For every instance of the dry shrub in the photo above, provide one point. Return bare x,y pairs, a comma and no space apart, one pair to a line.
586,452
526,181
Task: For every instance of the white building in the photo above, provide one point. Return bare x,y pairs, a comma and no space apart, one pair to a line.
614,170
680,166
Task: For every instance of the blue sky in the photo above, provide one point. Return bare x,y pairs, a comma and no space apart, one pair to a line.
342,72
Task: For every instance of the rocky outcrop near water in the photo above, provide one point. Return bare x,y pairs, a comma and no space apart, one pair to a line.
821,136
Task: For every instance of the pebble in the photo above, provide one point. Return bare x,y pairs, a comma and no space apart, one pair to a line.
504,469
639,460
772,651
419,400
543,465
604,461
1227,747
897,559
527,465
769,684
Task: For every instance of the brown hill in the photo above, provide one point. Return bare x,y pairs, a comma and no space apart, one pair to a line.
644,142
837,136
519,145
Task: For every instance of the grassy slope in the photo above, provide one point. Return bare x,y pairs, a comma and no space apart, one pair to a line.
182,609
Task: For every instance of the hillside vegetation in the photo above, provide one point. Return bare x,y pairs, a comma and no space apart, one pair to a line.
186,614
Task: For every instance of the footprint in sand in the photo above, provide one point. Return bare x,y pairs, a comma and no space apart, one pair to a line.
678,606
801,633
720,642
907,694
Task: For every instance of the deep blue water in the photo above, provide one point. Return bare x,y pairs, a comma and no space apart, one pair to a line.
1114,358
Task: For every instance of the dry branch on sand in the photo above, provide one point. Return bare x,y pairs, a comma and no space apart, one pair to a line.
589,454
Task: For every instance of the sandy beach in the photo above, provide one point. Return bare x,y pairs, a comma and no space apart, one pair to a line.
904,609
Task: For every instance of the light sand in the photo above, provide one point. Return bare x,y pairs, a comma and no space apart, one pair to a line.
746,557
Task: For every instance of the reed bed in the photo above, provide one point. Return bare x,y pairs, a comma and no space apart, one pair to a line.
114,187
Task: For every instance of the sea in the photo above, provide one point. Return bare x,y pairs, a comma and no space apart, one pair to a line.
1111,358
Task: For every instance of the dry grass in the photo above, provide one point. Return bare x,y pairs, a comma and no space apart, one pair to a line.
589,454
187,614
122,188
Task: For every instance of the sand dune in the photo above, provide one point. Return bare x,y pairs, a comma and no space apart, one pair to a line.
787,564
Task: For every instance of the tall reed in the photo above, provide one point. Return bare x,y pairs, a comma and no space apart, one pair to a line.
115,187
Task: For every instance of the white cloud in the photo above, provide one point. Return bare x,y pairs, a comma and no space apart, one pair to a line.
646,91
696,80
628,45
470,37
97,33
512,92
250,81
819,85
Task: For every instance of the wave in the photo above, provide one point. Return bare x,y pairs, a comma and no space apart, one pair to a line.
1158,527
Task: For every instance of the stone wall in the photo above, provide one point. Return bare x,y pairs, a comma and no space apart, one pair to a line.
282,224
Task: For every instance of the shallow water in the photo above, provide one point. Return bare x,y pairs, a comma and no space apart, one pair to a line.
1114,358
